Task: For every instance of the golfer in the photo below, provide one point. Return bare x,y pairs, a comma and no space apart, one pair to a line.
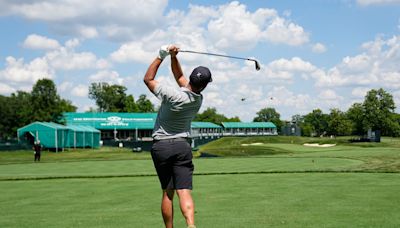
171,151
37,148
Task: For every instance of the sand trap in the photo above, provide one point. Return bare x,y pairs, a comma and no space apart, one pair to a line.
253,144
318,145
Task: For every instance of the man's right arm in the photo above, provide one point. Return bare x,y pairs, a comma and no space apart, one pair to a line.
148,79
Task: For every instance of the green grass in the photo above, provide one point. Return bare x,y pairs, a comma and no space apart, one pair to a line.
250,200
104,153
280,183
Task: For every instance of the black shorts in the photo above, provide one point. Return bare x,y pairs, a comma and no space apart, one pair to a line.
172,159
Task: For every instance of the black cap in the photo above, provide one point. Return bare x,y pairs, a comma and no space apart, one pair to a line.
200,76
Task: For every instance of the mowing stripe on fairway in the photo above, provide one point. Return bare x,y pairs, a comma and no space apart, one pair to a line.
195,174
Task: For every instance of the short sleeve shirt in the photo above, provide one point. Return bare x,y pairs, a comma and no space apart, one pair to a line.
178,108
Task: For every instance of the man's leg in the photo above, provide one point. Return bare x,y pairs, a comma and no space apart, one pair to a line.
167,208
187,205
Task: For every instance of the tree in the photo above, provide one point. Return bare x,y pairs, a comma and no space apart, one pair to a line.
109,98
5,116
46,103
298,119
22,108
338,123
356,115
378,108
269,115
211,115
144,104
130,105
318,122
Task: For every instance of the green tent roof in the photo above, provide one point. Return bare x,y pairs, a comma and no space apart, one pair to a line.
79,128
248,125
41,126
205,125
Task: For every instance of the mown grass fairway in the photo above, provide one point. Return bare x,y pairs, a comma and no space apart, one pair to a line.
292,186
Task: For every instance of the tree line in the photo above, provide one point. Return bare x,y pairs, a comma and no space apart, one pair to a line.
44,104
22,108
376,112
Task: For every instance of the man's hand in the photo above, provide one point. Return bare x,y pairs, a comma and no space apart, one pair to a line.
173,50
163,52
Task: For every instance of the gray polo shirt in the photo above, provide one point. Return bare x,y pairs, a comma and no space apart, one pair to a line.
178,108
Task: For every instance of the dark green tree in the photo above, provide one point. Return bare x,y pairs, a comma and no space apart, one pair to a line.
338,123
356,115
269,115
108,98
298,119
211,115
22,108
5,116
130,105
318,122
144,104
378,108
46,103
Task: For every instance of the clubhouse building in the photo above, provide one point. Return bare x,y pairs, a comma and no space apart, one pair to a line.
135,129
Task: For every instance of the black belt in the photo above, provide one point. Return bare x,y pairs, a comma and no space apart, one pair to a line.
172,140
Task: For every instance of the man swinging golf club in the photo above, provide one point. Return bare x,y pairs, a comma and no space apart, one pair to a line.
171,151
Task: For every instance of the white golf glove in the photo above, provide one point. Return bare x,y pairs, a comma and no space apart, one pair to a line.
164,52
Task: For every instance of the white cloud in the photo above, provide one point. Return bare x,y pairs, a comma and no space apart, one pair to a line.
34,41
80,91
67,59
134,51
360,92
227,27
377,66
6,89
65,86
329,94
16,71
285,69
237,28
234,26
377,2
111,77
89,18
286,32
20,75
292,65
318,48
88,32
72,43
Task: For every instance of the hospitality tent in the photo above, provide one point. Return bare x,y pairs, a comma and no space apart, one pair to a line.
57,136
83,136
51,135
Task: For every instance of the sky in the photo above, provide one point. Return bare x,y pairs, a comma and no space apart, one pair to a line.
313,53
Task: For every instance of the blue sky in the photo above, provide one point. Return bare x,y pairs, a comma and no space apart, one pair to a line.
313,53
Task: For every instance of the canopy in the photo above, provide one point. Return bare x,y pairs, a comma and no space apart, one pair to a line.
57,136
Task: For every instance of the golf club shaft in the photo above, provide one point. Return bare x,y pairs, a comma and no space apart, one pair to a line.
226,56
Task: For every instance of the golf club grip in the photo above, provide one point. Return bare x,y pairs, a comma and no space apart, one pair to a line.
206,53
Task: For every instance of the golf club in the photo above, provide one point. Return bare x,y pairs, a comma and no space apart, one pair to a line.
226,56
